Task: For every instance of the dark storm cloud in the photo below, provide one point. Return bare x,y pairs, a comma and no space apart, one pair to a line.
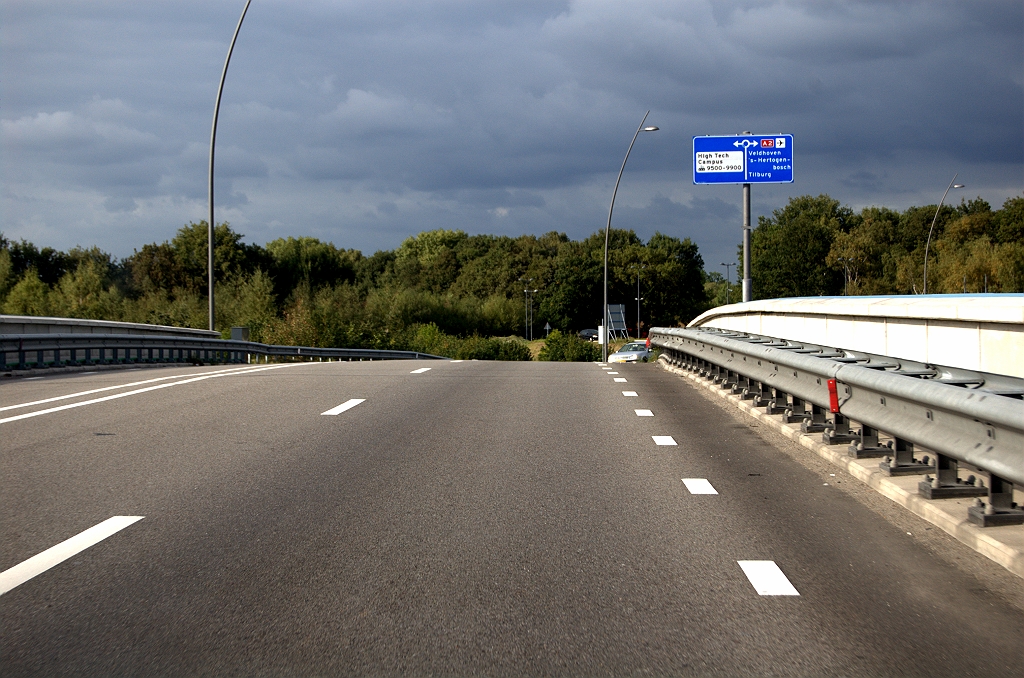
364,123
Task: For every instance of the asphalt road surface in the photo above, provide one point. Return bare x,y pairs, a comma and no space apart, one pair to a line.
476,518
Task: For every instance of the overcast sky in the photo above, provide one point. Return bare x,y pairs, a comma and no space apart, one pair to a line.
363,123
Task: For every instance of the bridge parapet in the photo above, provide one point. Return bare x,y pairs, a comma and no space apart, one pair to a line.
983,332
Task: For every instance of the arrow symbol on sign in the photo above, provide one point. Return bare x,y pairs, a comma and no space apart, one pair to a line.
746,143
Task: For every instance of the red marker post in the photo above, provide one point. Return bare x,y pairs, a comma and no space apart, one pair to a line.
833,396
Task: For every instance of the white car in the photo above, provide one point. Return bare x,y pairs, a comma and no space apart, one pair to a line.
635,351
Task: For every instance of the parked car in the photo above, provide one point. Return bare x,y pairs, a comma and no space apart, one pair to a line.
634,351
589,335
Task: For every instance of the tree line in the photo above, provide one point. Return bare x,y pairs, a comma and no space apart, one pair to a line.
451,293
814,246
441,290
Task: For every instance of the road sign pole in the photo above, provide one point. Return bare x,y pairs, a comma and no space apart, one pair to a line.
747,287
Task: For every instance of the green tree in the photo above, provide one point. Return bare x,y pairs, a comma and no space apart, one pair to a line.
87,292
29,296
789,250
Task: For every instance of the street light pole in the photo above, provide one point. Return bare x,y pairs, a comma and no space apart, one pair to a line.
526,308
213,141
929,241
638,299
728,282
530,303
607,231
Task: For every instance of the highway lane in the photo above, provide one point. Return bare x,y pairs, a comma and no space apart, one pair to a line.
498,518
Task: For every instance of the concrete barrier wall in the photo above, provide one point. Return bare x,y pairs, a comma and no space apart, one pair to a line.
21,324
977,332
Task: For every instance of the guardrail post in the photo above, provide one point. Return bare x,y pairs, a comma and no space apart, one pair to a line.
867,445
758,393
947,484
796,412
901,461
1000,509
777,403
816,422
840,431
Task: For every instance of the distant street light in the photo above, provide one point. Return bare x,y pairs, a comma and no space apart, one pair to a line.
607,231
846,275
213,141
728,282
929,242
638,298
526,308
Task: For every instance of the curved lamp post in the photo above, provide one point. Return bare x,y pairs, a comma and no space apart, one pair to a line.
607,230
929,242
213,141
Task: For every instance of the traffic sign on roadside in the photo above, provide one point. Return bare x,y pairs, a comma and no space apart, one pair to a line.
743,159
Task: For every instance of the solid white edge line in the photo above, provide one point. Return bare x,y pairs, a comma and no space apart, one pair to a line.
60,408
233,370
644,413
664,440
347,405
767,578
55,555
699,486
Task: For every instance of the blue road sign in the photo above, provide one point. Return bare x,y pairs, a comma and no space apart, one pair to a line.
743,159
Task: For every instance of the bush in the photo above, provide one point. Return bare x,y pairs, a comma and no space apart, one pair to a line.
430,339
569,348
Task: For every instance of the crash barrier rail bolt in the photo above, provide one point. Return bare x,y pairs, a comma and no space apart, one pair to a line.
959,416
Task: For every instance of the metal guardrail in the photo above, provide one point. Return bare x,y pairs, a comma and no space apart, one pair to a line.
972,418
27,351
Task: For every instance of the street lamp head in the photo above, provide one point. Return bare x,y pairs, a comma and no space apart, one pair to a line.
652,128
958,185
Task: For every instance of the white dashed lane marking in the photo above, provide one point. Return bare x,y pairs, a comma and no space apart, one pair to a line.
766,578
644,413
699,486
36,565
664,440
613,373
420,370
629,394
347,405
620,380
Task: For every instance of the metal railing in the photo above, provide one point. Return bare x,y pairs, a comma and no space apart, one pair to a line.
30,351
961,417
